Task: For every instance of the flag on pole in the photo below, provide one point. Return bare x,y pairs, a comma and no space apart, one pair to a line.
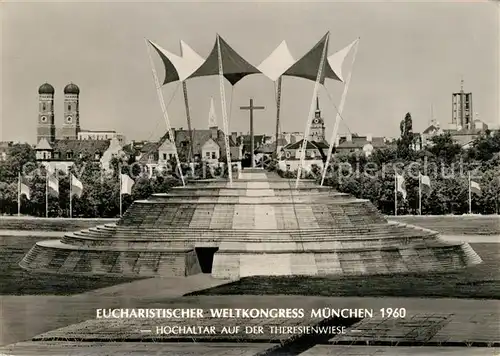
475,187
400,185
425,181
212,117
76,186
126,184
53,183
24,189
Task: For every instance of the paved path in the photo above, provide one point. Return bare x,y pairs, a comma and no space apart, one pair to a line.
473,238
33,233
26,316
468,309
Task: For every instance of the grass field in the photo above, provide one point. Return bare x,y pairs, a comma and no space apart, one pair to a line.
478,282
16,281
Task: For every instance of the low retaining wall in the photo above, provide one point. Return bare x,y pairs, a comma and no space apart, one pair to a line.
49,224
454,224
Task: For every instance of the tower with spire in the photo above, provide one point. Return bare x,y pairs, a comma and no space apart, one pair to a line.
71,123
46,127
462,113
317,132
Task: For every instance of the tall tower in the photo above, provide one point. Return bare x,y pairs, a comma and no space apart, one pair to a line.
462,115
46,127
71,123
317,132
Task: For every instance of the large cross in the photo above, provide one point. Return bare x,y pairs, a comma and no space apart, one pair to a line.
252,144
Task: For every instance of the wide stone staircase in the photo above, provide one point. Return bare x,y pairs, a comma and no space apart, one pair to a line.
243,228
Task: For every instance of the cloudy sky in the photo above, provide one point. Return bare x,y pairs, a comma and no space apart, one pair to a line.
411,56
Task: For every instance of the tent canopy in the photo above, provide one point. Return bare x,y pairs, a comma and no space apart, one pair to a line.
336,60
307,66
178,67
277,63
281,62
234,66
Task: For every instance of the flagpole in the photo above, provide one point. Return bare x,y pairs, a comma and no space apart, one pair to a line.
395,194
419,193
70,197
311,110
165,113
470,196
278,107
47,193
338,117
120,178
19,196
188,116
224,113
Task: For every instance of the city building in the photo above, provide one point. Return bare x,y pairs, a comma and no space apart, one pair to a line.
71,123
209,146
46,128
100,135
70,129
259,140
316,147
434,129
465,125
59,149
461,112
62,154
292,137
354,143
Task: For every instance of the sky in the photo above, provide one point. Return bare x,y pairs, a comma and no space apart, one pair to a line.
411,56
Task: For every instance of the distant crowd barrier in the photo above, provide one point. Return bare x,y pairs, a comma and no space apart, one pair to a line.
454,224
445,224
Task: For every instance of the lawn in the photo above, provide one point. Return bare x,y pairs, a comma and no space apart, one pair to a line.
478,282
16,281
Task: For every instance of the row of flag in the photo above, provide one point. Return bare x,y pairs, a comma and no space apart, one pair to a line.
76,188
425,181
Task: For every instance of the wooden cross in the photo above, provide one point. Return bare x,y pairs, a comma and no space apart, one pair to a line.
251,108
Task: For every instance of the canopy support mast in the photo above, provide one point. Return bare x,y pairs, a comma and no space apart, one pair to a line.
188,117
278,107
338,116
224,112
311,110
165,113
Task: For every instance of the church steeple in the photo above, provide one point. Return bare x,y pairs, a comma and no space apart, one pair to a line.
317,113
71,123
317,132
46,127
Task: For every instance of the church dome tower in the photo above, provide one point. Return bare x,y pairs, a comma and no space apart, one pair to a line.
71,89
317,132
46,125
71,123
46,88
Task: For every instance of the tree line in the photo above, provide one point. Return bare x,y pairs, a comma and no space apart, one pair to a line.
445,162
